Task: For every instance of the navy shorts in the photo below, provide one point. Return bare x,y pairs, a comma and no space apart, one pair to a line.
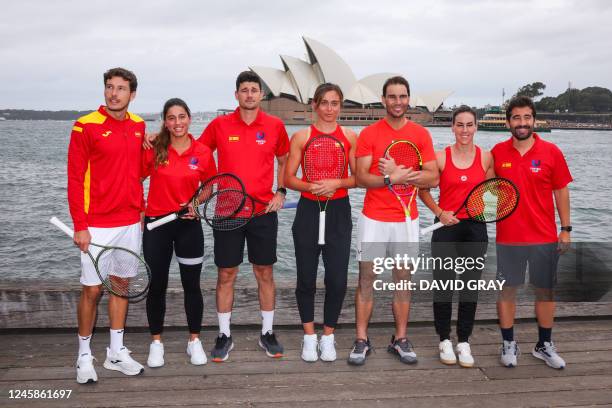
260,235
541,260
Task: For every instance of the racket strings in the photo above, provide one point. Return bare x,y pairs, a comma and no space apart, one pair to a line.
209,189
404,154
492,200
228,209
125,273
324,158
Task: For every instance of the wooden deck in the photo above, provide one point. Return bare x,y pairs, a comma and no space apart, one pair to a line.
45,361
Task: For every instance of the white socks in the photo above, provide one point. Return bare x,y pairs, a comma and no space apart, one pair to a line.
116,340
224,323
267,320
84,342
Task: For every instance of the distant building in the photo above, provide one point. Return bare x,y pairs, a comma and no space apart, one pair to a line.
288,92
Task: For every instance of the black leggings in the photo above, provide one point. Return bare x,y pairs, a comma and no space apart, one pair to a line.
336,252
185,237
466,239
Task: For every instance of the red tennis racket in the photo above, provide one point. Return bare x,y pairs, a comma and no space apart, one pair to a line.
406,154
324,159
489,201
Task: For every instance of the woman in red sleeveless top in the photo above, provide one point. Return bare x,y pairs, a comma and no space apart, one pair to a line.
462,166
326,102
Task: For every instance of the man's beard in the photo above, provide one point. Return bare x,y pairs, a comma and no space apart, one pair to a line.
519,137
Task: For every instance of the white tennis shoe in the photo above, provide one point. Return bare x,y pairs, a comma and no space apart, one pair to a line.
196,352
309,348
86,373
327,345
447,355
122,361
156,354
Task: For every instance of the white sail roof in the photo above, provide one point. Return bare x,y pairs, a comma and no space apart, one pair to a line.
300,78
303,76
431,100
276,80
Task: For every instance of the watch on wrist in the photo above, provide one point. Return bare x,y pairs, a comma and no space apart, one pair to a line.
387,180
568,228
282,190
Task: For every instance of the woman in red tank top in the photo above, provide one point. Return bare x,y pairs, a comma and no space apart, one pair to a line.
326,103
462,166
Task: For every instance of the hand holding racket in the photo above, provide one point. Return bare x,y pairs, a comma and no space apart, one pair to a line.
489,201
324,159
122,271
201,195
405,154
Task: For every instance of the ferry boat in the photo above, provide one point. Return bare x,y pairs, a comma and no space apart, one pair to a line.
494,120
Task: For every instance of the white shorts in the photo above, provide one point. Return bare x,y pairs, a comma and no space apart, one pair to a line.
129,237
376,239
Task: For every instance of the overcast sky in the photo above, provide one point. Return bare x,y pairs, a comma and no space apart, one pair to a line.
53,53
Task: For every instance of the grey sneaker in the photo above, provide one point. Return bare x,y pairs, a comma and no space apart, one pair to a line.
361,348
223,346
402,348
548,353
269,343
509,353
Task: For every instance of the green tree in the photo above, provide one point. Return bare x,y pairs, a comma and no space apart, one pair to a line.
532,90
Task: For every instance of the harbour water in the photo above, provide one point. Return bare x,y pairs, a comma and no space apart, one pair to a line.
33,189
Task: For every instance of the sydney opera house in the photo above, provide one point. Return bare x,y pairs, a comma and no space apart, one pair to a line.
289,90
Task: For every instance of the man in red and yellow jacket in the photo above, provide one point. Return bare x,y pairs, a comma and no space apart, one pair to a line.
105,200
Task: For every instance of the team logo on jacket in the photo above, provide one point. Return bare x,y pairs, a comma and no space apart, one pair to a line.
463,177
535,166
107,133
138,134
260,137
193,163
506,165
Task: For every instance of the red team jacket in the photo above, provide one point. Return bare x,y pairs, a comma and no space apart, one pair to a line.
104,156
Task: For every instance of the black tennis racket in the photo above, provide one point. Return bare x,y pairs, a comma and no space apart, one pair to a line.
206,190
324,159
489,201
230,209
122,271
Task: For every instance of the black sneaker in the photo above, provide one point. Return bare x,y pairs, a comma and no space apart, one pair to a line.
223,346
402,348
361,348
269,343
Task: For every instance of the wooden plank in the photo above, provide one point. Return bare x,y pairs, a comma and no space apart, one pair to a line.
53,305
586,398
582,390
37,357
246,339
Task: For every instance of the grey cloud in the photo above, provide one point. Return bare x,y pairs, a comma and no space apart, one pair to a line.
54,53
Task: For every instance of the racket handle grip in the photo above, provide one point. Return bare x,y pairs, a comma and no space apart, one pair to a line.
162,221
55,221
322,228
431,228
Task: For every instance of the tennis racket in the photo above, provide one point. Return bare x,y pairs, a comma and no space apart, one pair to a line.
230,209
122,271
324,159
405,154
204,193
489,201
